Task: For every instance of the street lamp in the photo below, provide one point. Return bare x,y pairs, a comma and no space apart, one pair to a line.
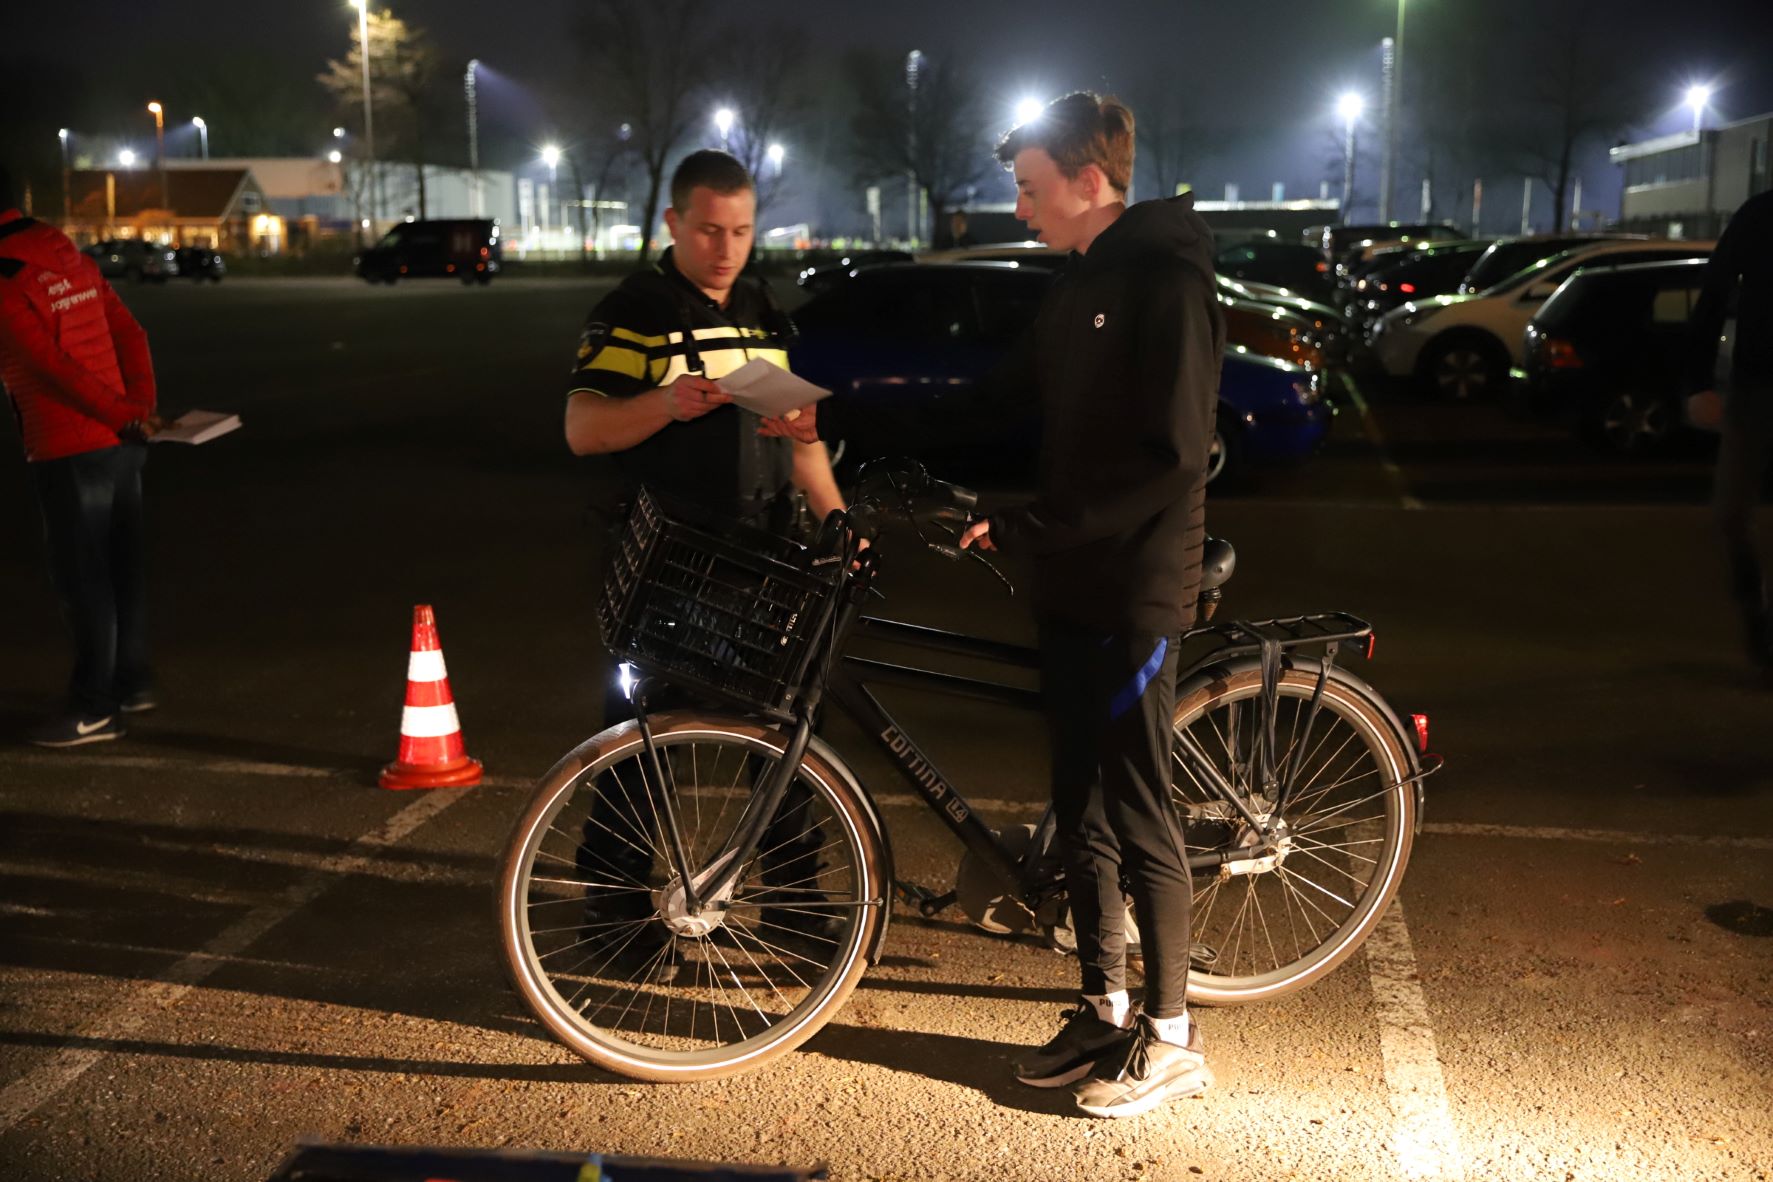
775,153
369,120
473,134
335,156
67,178
1698,97
126,158
338,133
202,133
551,157
1349,106
723,119
1028,110
160,150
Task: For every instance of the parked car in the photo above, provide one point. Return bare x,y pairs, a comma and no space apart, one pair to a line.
902,345
1409,273
1462,346
1295,266
827,275
466,248
1608,352
1344,243
1291,327
1509,256
199,263
133,258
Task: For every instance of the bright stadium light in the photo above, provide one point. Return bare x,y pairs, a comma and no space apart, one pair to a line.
1698,98
1028,110
126,158
1349,106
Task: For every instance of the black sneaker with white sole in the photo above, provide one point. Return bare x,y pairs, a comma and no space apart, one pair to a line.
1145,1072
1084,1038
77,730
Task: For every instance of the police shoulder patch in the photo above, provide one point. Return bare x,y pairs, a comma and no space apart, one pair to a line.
592,340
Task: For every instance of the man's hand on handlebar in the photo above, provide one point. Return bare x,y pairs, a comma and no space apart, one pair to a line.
979,532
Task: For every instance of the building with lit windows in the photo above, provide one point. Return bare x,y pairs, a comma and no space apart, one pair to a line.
1687,185
218,205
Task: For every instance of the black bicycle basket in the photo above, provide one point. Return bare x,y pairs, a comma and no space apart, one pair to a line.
710,605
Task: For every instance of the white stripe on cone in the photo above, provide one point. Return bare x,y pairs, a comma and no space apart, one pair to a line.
426,666
429,722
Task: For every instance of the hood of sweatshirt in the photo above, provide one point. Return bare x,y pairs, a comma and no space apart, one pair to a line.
1149,230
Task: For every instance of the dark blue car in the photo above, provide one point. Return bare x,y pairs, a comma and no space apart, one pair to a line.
901,343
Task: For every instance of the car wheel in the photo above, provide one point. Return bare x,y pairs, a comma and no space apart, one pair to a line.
1634,424
1226,466
1466,368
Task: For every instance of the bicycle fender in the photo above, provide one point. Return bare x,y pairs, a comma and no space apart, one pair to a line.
834,761
1206,675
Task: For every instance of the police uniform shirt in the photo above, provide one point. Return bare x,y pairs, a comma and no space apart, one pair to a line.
635,341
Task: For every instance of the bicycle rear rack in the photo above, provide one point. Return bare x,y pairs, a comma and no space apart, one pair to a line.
1249,636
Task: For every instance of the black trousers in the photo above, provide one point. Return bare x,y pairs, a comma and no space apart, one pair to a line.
91,506
1745,448
1109,701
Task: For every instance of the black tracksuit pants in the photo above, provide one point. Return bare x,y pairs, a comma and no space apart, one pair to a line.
1109,701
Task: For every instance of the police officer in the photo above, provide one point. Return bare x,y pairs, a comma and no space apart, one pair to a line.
646,399
646,387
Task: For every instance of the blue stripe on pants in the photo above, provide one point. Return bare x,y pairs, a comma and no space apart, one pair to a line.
1129,695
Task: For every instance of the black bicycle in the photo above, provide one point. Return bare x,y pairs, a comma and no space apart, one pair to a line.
1298,787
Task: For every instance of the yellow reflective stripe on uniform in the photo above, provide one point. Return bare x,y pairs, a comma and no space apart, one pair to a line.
623,334
618,359
718,362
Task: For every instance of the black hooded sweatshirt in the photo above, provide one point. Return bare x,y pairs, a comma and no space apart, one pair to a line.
1125,356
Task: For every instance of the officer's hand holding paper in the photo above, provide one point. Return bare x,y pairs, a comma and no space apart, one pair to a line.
786,403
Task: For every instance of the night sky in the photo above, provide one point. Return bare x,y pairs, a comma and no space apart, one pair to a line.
1263,75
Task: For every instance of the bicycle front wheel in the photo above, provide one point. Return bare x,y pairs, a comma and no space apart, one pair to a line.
596,935
1265,928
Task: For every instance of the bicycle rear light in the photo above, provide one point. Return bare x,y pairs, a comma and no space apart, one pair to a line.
1372,643
1420,722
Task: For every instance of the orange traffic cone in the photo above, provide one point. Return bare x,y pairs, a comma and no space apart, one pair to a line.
431,751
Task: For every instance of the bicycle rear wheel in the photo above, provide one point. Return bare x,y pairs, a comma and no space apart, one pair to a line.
1265,929
654,993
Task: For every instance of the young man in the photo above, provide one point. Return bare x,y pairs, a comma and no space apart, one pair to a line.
1741,266
1125,355
76,365
645,397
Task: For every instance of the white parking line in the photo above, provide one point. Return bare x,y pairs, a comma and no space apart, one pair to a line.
37,1087
1370,426
1608,836
1422,1138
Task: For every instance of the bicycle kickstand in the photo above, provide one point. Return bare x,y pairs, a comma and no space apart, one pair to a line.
928,903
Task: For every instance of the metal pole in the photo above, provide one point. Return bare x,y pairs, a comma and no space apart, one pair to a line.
1347,169
1576,204
1388,54
913,64
369,118
1477,207
1527,206
473,137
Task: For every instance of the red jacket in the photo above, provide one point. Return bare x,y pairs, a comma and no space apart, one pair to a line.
71,356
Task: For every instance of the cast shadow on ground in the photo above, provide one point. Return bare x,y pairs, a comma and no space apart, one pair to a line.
967,1062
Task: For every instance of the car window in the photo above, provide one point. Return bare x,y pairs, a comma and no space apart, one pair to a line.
1006,305
923,307
1672,305
1237,256
1505,260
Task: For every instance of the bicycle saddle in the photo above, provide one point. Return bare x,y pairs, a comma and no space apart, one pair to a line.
1217,562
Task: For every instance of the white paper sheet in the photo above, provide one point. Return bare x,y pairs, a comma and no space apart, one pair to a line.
769,390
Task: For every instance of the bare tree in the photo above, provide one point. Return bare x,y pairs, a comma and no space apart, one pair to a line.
1576,95
403,71
1170,145
940,139
764,82
647,59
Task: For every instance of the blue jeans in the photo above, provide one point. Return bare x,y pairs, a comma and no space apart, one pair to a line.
92,525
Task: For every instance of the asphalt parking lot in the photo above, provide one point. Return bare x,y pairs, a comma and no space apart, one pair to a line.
217,936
